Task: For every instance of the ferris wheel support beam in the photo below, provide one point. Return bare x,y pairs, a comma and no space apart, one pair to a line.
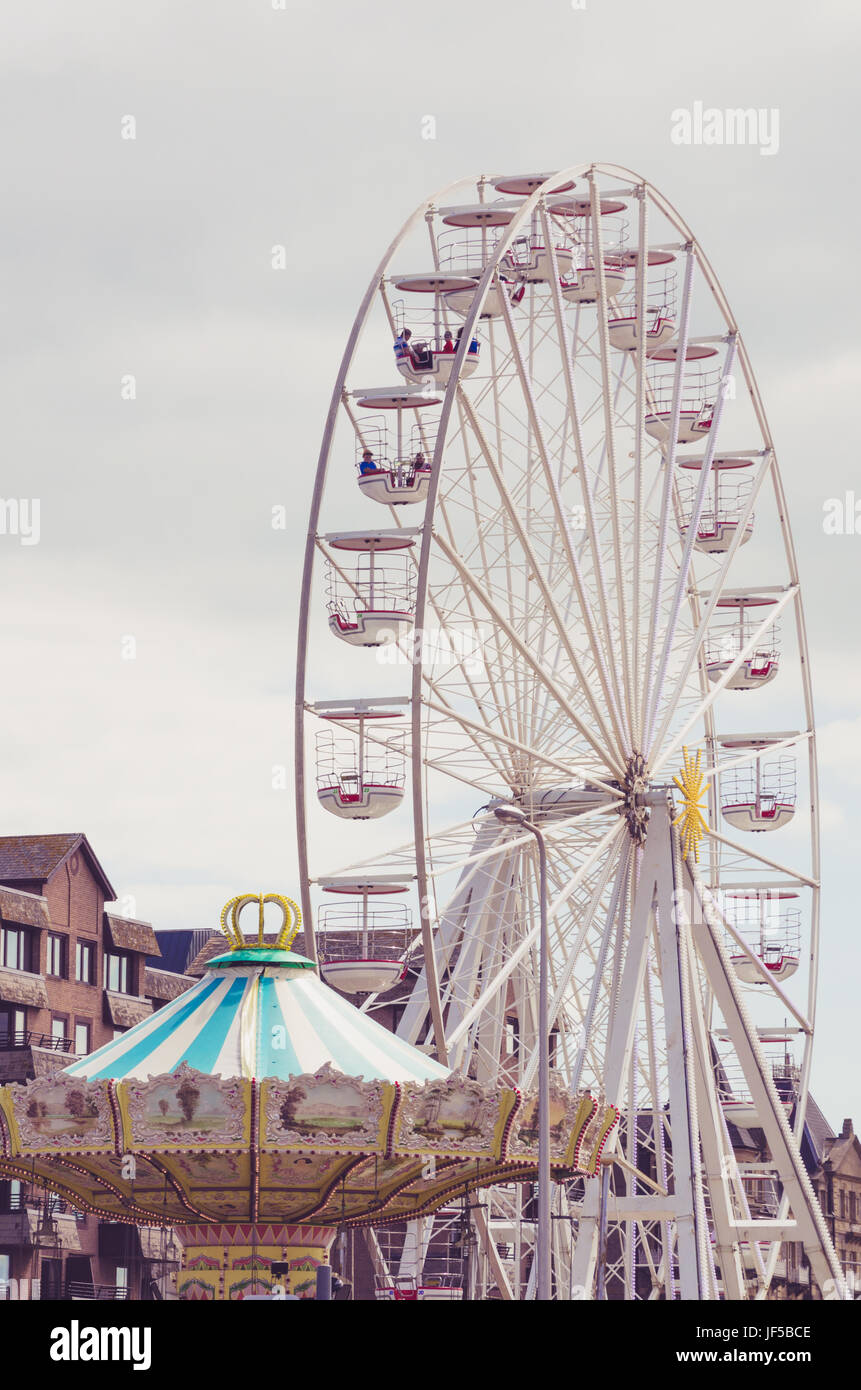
653,908
720,1171
810,1224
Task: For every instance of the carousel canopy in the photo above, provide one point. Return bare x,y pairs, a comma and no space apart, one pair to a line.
259,1013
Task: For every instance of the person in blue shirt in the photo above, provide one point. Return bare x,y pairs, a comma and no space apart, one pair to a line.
367,464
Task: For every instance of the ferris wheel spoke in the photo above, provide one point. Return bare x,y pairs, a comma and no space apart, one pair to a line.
585,923
746,645
638,672
572,770
521,647
690,539
492,987
651,694
717,588
747,853
501,665
603,652
536,569
498,739
609,448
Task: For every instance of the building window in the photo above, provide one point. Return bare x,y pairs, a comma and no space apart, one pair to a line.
116,972
16,948
13,1026
512,1036
122,1281
843,1204
55,963
118,1033
5,1274
82,1039
85,959
58,1029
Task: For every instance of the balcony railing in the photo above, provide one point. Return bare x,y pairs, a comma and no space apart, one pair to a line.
27,1038
22,1201
101,1292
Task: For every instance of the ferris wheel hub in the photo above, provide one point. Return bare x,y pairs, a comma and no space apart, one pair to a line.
635,785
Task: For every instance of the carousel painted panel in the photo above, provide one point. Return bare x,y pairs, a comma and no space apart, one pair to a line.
59,1114
327,1110
571,1116
186,1109
455,1116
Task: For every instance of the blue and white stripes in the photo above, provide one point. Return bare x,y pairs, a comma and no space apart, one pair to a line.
259,1020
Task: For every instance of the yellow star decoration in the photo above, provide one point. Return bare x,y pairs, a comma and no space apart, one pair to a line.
692,786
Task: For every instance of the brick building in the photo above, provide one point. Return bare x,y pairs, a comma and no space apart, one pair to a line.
72,976
833,1162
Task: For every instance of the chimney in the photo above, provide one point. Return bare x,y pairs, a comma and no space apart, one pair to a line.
847,1130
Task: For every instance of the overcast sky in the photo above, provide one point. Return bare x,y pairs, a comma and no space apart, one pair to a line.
150,258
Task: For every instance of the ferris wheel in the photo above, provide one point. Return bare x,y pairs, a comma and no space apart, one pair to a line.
549,568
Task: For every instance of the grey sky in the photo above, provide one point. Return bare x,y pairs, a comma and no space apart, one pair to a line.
258,126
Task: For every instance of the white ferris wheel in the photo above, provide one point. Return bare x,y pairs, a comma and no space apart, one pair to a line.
549,559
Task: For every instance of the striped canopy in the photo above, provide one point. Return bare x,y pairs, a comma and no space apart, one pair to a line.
256,1015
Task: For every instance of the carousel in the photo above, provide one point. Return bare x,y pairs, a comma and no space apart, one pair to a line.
260,1112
